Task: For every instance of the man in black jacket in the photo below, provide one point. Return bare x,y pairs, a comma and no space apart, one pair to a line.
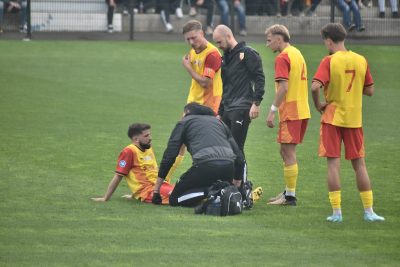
243,83
214,152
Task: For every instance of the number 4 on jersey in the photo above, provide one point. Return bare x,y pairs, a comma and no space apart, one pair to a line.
303,76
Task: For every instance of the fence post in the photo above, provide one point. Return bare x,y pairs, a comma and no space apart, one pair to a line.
232,15
131,5
28,20
333,11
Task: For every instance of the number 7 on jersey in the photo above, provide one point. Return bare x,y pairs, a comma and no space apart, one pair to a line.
353,75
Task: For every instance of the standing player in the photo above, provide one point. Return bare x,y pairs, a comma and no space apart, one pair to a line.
345,77
138,165
291,100
241,71
243,89
203,63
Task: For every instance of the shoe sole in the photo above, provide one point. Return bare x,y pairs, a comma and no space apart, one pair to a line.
283,203
275,198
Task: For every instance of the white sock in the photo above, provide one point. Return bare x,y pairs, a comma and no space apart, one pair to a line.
337,211
369,210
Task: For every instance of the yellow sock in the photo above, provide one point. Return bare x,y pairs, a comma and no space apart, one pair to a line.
335,197
367,199
177,162
290,174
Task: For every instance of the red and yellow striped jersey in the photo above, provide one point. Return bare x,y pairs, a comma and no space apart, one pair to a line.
140,170
344,76
291,66
207,63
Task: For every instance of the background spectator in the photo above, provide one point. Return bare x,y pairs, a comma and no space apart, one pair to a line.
393,5
296,7
311,11
14,7
111,6
209,6
223,6
164,7
348,6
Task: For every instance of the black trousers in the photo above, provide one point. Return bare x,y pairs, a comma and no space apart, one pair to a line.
193,185
238,121
110,10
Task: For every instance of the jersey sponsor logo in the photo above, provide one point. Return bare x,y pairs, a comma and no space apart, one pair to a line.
147,158
241,56
122,163
197,62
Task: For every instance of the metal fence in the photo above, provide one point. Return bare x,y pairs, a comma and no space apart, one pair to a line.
302,17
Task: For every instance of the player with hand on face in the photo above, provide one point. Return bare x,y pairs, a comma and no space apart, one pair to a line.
203,63
137,163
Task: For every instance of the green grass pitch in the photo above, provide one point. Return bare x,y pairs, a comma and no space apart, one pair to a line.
64,111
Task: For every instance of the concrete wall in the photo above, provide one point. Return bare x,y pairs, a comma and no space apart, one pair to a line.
90,15
302,25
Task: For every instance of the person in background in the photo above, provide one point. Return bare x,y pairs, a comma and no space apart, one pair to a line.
111,6
223,6
15,6
393,5
164,7
209,6
347,7
311,11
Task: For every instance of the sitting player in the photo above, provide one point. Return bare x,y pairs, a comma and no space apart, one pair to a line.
138,165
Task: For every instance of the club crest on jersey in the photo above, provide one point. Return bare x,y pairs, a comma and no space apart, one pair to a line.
241,56
122,163
208,71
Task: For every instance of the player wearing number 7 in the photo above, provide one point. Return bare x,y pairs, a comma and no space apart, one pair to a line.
291,99
345,77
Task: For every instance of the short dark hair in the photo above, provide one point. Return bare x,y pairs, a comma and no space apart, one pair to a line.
192,25
334,31
194,108
137,128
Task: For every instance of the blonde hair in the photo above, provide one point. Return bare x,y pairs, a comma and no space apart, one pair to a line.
192,25
278,29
